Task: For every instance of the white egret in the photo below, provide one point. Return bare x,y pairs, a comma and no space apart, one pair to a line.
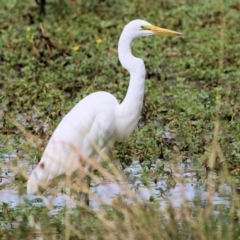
98,119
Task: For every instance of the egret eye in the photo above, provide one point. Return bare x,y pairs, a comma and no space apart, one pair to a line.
143,28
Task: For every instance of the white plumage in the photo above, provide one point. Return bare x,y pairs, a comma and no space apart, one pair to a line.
98,119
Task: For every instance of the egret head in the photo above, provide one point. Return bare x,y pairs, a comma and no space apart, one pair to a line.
138,28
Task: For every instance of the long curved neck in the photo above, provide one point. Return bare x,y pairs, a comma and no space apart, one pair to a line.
129,110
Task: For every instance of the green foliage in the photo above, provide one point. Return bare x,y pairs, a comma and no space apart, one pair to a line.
192,84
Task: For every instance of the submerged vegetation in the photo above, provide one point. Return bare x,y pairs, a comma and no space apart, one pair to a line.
54,53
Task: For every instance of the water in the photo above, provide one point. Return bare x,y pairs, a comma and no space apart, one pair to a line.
187,189
187,192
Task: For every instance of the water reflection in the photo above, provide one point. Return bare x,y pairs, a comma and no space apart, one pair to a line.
186,192
181,193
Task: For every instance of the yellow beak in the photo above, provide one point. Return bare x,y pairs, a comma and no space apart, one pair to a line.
158,30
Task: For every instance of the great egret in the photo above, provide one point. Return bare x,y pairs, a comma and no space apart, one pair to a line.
98,119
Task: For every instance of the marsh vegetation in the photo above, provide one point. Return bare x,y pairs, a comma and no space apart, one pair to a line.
188,134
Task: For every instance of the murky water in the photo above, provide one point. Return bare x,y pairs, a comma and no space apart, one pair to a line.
187,191
181,193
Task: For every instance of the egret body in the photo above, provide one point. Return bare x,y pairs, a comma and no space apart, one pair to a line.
98,120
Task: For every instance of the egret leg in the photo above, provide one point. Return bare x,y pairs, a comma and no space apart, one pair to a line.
84,197
84,180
